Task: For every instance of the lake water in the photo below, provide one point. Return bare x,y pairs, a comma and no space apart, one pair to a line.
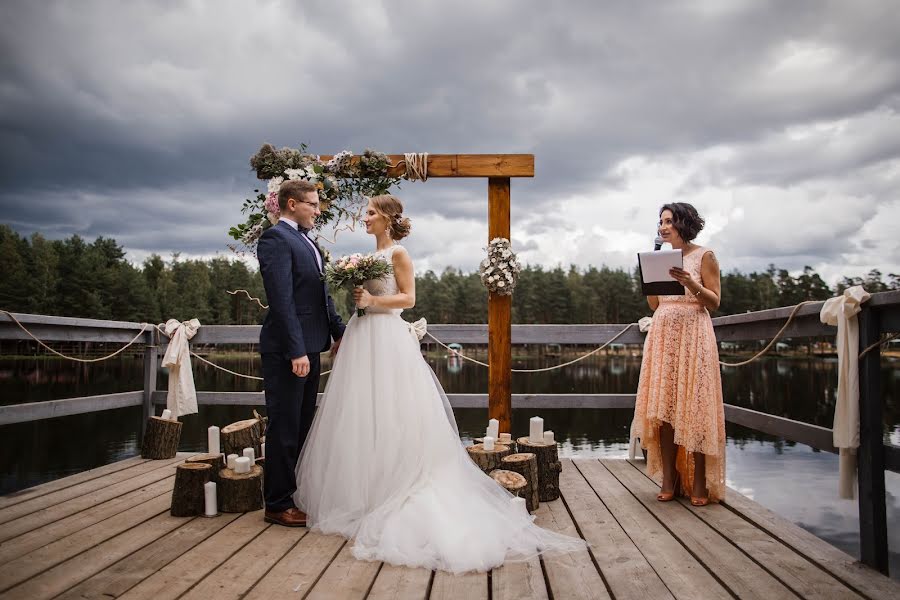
791,479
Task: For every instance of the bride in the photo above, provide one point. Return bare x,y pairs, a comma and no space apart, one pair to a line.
383,462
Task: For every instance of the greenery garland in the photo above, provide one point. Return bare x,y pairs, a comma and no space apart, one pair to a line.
343,186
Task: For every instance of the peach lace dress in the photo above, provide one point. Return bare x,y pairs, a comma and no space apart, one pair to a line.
680,384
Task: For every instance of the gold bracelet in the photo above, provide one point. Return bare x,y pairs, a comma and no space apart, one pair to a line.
698,291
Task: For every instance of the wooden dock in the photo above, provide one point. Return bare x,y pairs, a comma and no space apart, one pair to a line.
107,533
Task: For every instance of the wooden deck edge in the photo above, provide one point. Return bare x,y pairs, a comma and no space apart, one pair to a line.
845,568
61,483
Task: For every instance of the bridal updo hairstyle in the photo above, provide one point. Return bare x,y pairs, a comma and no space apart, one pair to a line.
685,218
391,207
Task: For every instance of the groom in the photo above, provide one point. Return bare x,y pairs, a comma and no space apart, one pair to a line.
299,325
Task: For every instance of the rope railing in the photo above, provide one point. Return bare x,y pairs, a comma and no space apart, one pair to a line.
146,326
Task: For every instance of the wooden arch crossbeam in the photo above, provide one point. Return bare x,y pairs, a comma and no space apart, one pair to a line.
498,169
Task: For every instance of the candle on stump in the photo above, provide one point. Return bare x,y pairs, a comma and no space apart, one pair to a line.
211,506
548,437
212,436
242,464
493,429
488,443
536,430
519,504
231,459
251,454
167,414
505,438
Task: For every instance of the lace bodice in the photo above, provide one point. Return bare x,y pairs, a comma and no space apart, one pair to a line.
386,286
692,264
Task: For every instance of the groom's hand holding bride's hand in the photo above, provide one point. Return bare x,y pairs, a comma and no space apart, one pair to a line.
300,366
335,346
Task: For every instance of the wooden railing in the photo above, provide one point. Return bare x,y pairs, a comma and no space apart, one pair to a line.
879,315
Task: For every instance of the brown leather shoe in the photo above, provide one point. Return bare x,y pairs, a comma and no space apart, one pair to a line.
292,517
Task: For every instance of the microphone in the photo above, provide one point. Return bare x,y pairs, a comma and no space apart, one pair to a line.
657,243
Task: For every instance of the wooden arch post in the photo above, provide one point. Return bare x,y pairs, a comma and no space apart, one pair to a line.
498,169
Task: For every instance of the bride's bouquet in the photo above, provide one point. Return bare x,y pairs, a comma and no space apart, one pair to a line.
354,270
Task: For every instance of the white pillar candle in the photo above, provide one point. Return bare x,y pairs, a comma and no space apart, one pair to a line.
262,450
519,504
251,454
488,443
536,430
212,436
242,464
167,414
231,459
493,429
548,437
505,438
211,506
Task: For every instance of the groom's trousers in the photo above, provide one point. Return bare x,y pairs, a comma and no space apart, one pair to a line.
290,407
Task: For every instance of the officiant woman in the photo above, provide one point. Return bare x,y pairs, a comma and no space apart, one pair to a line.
679,416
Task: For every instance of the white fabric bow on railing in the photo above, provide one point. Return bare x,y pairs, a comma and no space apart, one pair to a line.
841,311
644,324
182,398
418,329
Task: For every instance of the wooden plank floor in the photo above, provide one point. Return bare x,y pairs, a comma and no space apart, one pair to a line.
107,533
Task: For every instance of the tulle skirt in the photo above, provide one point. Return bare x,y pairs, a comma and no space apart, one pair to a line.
383,464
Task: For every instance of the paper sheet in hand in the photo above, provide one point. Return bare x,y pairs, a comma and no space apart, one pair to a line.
655,278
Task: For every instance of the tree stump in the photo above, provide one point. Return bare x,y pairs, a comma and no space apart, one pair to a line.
488,460
216,461
161,438
498,442
511,481
548,467
525,464
240,492
188,493
240,435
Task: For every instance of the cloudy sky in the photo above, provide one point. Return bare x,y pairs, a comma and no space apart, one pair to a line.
778,120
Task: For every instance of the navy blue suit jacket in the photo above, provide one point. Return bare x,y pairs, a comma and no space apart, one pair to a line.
301,317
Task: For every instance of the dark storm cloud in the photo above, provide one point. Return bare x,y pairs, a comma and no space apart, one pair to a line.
136,120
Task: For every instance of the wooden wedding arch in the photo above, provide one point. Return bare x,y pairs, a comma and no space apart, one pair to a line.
498,169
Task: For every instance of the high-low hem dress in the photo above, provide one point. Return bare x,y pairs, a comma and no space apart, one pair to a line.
680,384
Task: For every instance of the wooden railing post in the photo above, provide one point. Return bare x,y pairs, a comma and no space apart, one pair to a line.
872,516
499,315
151,366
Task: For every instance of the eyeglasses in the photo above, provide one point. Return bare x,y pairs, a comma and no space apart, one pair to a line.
315,204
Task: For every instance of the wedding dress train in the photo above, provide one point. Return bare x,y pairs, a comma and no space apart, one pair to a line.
383,462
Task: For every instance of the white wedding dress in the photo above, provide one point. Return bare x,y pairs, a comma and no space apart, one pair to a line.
384,464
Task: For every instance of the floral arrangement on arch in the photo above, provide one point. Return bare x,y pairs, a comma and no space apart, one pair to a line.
343,186
499,272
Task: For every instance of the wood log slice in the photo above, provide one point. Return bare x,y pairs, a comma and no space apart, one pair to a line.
240,492
488,460
240,435
161,438
525,464
511,481
548,467
188,493
216,461
497,441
